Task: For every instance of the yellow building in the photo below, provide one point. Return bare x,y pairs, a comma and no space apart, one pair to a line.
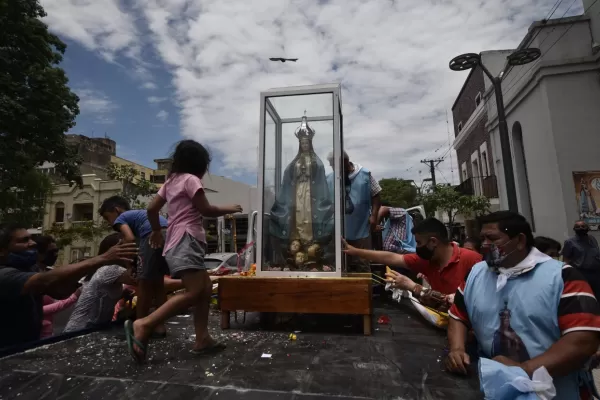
71,205
143,171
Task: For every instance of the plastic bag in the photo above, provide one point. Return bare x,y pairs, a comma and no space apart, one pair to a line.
501,382
436,318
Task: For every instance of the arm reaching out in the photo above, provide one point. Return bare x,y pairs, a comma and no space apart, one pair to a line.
201,203
52,283
58,305
381,257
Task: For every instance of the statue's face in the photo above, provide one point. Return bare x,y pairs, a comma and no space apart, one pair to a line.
305,145
300,259
295,247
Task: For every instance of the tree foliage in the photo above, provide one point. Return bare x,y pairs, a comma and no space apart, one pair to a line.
37,108
87,232
135,188
448,200
26,204
398,192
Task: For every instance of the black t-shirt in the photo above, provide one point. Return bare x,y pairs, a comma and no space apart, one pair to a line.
20,315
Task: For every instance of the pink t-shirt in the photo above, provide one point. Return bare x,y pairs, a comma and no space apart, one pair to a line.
184,218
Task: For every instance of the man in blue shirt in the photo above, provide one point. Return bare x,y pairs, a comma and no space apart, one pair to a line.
151,264
361,207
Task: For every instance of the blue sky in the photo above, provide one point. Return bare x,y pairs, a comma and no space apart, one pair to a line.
143,121
151,72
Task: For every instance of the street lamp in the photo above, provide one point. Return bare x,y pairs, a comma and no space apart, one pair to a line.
519,57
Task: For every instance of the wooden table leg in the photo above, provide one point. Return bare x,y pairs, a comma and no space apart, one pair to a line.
225,318
367,328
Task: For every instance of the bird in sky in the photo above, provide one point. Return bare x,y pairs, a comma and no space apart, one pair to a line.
283,59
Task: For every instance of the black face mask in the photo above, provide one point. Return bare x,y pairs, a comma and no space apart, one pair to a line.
50,259
581,231
425,252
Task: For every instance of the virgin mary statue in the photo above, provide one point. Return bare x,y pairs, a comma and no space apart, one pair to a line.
303,210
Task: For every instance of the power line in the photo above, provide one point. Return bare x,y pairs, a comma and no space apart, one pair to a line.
432,166
486,101
549,48
442,174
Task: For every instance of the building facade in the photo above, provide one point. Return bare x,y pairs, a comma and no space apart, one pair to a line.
72,205
552,110
472,140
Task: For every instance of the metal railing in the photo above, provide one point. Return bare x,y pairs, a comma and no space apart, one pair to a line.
480,186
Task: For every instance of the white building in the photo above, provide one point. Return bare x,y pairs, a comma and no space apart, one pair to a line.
553,115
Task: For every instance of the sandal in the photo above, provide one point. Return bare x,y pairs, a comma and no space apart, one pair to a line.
132,341
212,349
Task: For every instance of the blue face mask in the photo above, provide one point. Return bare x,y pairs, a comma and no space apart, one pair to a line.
23,259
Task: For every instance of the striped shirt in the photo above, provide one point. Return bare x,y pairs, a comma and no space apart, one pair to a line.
578,309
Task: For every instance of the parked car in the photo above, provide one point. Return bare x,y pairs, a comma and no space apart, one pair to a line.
224,261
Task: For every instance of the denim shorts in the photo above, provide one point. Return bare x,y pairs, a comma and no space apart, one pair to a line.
188,254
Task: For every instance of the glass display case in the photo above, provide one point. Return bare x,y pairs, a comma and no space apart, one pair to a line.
300,160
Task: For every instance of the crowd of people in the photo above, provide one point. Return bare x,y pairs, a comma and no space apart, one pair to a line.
510,296
146,254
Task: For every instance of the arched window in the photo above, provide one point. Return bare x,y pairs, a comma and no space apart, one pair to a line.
521,176
59,212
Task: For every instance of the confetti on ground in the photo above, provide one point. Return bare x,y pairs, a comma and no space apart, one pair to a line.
265,355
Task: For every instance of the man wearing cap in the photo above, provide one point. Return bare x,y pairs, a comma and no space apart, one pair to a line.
362,202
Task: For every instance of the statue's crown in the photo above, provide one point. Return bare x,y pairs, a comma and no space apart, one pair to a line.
304,131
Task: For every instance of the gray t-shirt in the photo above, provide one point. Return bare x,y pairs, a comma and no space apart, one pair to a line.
99,296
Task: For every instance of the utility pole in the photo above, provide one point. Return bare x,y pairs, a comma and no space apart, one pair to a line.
432,164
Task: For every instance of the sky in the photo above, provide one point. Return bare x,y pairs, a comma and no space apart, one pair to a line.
152,72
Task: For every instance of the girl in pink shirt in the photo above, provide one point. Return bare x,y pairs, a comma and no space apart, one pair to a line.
184,249
53,306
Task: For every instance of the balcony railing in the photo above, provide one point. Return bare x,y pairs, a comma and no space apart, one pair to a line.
479,186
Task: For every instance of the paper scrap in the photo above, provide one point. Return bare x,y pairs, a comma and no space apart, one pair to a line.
265,355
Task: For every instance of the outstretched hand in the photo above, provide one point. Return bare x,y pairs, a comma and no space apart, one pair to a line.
346,248
121,252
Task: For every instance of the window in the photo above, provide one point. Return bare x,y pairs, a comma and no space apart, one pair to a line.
80,254
83,212
484,164
460,126
478,99
59,213
158,179
233,261
143,174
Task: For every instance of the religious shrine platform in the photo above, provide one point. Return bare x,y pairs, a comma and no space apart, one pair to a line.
330,359
349,295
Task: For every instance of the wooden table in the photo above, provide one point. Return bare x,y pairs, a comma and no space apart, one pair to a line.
347,295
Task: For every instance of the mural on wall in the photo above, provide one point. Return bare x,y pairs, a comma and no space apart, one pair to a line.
587,191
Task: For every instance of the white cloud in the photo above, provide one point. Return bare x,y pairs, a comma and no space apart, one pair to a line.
156,99
391,57
101,26
95,104
162,115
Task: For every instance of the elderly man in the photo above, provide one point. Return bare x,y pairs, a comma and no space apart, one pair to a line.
362,204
